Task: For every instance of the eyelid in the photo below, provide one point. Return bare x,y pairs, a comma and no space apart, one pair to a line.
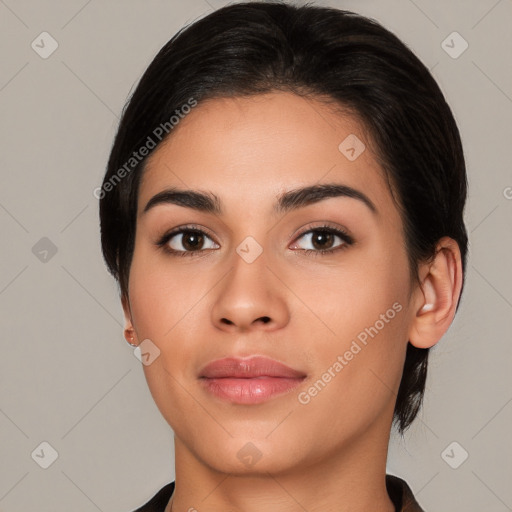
345,243
164,239
188,227
326,226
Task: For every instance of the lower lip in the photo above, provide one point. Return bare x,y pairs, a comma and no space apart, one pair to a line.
250,391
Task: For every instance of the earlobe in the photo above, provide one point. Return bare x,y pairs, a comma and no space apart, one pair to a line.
129,332
129,336
437,295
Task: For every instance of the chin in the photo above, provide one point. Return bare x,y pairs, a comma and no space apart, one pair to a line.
250,457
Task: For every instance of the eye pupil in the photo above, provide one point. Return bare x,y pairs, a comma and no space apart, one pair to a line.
320,238
192,240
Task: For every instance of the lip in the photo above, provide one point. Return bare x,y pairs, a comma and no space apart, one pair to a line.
249,380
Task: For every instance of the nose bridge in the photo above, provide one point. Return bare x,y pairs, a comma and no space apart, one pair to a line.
250,294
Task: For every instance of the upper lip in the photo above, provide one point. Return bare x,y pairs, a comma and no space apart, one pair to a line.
250,367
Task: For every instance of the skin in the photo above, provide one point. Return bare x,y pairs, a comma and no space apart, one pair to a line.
329,454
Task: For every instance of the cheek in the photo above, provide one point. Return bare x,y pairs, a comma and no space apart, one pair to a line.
346,299
160,295
359,367
363,313
167,308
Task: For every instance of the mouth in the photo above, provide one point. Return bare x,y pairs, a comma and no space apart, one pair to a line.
249,381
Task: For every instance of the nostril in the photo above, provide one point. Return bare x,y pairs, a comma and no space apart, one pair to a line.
264,319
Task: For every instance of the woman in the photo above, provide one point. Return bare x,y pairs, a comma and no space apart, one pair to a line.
283,211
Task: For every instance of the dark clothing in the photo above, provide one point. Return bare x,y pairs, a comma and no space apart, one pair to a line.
398,490
401,495
159,501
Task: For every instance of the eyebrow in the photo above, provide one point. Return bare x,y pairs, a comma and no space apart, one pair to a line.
291,200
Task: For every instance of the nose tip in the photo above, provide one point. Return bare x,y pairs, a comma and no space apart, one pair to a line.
250,298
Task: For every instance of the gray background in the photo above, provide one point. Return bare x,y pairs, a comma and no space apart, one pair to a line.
67,376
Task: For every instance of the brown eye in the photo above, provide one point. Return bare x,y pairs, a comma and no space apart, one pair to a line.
192,240
188,240
324,240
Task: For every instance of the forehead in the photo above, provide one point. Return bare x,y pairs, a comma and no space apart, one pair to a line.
249,149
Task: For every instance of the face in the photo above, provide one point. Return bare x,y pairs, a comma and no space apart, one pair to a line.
317,281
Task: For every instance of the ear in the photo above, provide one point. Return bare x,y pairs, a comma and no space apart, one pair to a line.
437,295
129,332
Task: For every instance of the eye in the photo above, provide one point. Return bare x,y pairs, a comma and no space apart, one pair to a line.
322,240
186,241
191,241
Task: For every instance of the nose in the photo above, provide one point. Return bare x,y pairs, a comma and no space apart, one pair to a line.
250,297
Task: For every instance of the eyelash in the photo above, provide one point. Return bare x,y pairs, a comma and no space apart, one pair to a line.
347,240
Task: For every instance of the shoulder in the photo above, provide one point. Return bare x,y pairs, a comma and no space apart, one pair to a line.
401,495
159,501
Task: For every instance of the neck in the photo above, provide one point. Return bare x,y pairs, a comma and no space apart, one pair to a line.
351,479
